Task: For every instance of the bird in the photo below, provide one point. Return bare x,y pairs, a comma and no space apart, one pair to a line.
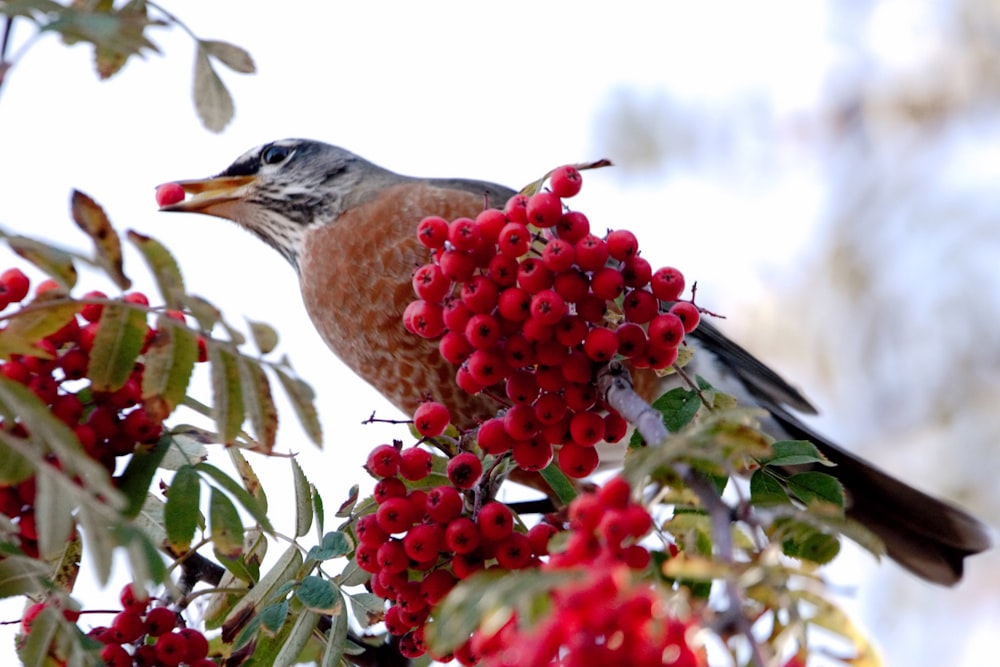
347,227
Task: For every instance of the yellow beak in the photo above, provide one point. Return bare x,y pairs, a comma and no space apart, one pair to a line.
219,196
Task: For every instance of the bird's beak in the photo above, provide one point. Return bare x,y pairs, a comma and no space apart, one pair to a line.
219,196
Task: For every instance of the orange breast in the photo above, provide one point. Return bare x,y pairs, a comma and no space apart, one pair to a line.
355,276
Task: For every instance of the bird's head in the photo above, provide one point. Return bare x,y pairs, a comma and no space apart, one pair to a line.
279,190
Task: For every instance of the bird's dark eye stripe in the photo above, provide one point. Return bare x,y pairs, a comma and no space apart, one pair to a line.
274,154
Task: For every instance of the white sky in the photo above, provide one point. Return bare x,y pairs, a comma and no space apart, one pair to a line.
499,92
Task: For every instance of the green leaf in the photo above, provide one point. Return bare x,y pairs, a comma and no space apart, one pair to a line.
137,477
100,542
283,571
14,468
678,407
230,55
225,526
35,322
303,500
336,640
273,616
303,399
333,545
121,332
367,608
164,268
187,445
814,486
211,98
55,262
53,511
227,396
794,452
319,595
20,575
144,556
297,639
559,483
250,504
317,508
816,547
182,514
265,337
766,490
91,218
169,362
258,403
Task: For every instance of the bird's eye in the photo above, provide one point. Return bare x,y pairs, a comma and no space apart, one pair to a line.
275,154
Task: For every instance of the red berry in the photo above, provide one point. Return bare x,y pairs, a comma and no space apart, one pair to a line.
544,209
423,542
133,599
514,304
457,264
169,193
444,504
430,283
615,427
631,339
395,515
547,307
383,461
495,521
591,253
424,319
454,347
171,649
463,233
433,231
688,313
493,437
127,626
431,419
521,387
637,272
558,255
113,655
601,344
369,532
573,226
516,208
622,244
197,645
490,221
502,270
667,284
462,536
534,276
639,306
666,330
514,239
14,285
534,454
435,586
465,470
578,368
580,397
415,463
390,487
550,408
514,552
573,285
486,368
587,428
608,283
479,294
160,620
577,461
482,331
566,181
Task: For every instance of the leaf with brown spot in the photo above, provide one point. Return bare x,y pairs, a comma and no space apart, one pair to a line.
55,262
91,218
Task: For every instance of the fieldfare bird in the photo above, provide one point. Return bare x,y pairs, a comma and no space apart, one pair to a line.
348,227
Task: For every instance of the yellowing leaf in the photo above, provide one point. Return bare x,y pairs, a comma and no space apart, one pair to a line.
230,55
121,332
53,261
163,266
211,98
92,219
227,397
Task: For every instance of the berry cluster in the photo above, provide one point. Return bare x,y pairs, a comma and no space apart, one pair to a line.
421,541
145,636
107,424
529,304
606,616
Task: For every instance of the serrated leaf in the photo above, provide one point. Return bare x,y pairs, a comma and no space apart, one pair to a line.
258,403
814,486
318,594
766,490
53,512
35,322
169,363
367,608
795,452
249,478
678,407
250,504
333,545
225,525
302,398
227,396
91,218
317,508
203,310
20,575
265,337
303,500
121,332
352,498
283,571
352,575
164,268
55,262
296,639
336,640
230,55
187,446
182,512
211,98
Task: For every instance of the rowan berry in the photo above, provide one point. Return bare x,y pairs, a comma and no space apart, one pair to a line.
171,649
457,265
114,655
667,284
465,470
495,521
514,552
415,463
639,306
479,294
572,226
688,313
462,536
127,626
383,461
533,454
666,330
534,276
601,344
431,419
169,193
547,307
502,270
544,209
395,515
197,645
454,347
433,232
577,461
443,504
430,283
490,221
493,437
558,255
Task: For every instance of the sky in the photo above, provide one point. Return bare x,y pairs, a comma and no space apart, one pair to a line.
497,92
